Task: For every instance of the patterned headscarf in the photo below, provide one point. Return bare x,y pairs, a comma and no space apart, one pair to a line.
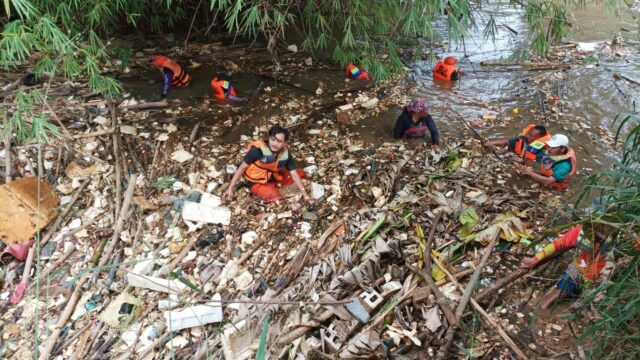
419,106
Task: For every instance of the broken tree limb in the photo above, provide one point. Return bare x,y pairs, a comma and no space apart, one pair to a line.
442,353
145,106
486,316
120,221
620,76
64,128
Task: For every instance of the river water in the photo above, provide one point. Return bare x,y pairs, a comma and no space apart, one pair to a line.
589,95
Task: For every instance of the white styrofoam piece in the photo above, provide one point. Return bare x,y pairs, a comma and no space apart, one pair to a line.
196,315
156,283
196,212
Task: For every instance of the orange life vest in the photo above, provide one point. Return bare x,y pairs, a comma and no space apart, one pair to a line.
443,71
354,72
180,77
268,166
546,168
222,88
533,148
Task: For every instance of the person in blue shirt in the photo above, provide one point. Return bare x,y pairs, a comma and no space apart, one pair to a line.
557,164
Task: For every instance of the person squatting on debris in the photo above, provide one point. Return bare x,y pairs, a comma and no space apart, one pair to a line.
223,90
267,166
594,256
557,164
531,142
353,72
415,121
172,73
446,70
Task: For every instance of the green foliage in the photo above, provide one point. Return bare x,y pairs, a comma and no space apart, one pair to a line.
617,203
548,23
366,33
28,121
468,218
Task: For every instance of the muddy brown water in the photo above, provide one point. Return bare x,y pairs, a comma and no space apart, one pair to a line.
589,93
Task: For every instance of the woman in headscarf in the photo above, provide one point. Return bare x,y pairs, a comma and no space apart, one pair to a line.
415,121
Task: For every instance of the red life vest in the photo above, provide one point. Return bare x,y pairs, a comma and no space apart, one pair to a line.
222,89
180,77
533,148
354,72
546,168
268,166
443,71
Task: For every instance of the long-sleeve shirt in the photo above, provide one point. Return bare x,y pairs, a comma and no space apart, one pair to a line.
168,77
405,125
590,261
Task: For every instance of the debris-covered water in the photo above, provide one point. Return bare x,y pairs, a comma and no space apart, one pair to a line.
144,261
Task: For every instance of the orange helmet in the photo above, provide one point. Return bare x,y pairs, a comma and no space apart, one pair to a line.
450,60
159,60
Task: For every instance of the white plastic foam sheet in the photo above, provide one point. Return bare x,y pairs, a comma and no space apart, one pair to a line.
196,315
196,212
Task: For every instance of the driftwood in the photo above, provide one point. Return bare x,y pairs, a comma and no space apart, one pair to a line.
145,106
620,76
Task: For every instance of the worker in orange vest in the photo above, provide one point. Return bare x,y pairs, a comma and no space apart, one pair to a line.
531,141
268,165
595,257
557,164
223,90
353,72
172,73
446,70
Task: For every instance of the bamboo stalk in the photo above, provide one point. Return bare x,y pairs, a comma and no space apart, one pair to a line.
442,353
486,316
120,221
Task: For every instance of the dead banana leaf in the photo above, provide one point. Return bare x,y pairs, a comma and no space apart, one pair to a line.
361,346
511,229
